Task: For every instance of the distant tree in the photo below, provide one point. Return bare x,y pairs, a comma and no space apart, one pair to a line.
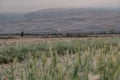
56,32
47,35
69,34
112,31
22,34
79,35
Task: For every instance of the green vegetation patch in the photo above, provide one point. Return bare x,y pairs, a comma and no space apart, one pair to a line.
76,59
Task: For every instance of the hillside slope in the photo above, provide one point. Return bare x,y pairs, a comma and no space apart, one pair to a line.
63,20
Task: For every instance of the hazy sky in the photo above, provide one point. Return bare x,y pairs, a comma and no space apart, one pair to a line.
30,5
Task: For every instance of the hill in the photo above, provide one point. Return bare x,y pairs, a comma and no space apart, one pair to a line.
61,20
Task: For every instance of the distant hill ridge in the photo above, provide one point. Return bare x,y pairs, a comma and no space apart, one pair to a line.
61,20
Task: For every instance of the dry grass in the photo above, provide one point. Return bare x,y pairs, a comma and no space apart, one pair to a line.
63,59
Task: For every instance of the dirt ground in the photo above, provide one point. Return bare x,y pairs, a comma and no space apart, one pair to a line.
18,40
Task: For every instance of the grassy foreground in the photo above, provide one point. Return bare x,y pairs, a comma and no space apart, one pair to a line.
75,59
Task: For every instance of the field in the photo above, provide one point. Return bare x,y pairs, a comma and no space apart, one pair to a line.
60,59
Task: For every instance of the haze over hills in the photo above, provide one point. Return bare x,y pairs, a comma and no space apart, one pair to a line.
61,20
